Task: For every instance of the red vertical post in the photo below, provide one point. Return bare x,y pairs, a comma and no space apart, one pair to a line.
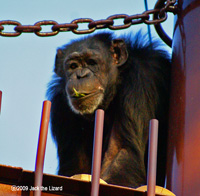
97,151
152,157
0,100
41,147
183,168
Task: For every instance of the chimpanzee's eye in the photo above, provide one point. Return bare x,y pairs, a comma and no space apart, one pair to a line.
91,62
73,65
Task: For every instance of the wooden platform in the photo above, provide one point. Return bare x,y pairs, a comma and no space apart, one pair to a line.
13,177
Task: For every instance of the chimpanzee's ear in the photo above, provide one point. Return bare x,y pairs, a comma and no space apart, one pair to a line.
58,63
119,50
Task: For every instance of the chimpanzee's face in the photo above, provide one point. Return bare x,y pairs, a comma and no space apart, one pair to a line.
89,70
86,80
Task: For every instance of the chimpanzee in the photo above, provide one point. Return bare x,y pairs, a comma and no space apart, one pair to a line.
127,77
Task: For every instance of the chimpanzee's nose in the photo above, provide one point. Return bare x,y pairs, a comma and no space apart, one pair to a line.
83,73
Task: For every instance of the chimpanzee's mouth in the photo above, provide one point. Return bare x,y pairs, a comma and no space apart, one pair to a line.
83,95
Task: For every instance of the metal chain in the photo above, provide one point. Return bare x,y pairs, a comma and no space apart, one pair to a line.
145,17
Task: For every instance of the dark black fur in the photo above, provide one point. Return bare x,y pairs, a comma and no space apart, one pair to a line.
142,93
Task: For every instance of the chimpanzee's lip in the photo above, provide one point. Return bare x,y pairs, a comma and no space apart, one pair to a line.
86,95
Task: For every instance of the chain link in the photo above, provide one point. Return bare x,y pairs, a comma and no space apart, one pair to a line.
136,19
27,28
83,20
74,26
118,16
9,22
45,22
155,21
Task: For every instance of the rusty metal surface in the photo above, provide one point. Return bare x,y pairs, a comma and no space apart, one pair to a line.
183,176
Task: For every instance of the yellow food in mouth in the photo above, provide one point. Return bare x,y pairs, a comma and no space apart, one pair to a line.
77,94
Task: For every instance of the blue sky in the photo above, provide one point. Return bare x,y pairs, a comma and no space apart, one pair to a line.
26,64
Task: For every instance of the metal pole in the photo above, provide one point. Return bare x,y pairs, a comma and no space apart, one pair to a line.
41,147
97,150
152,157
